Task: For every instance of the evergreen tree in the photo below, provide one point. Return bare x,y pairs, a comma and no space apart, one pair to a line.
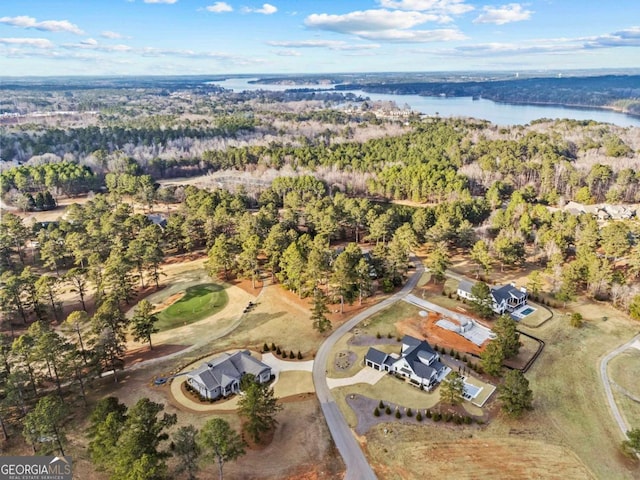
220,443
515,394
143,322
482,302
319,311
491,358
43,426
507,336
438,261
188,450
452,388
142,433
258,406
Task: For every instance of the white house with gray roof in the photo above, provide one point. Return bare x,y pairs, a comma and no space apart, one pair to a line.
506,298
220,377
417,361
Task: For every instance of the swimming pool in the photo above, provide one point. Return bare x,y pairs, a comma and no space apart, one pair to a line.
527,311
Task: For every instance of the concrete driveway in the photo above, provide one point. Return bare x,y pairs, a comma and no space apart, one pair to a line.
366,375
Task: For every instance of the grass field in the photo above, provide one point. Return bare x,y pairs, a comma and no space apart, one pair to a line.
199,302
384,321
623,370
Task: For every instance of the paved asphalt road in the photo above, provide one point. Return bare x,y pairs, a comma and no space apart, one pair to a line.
357,466
607,385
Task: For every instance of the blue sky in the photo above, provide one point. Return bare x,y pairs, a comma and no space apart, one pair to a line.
134,37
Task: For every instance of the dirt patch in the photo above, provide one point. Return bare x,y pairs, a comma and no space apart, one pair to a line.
470,457
168,302
425,327
301,449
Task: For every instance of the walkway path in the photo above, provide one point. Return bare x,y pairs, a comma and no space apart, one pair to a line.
355,460
604,375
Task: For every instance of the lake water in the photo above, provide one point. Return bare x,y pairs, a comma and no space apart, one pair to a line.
497,113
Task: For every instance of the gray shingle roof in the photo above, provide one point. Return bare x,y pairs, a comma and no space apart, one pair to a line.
376,356
506,292
466,286
222,371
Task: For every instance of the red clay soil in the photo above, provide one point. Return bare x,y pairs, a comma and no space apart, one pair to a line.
426,328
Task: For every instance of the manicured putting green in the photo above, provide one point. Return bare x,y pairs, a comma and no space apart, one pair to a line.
198,302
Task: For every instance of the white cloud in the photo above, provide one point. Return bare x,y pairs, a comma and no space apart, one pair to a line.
93,44
369,20
161,1
451,7
512,12
219,56
28,42
416,36
219,7
46,25
623,38
287,53
267,9
331,44
385,25
110,34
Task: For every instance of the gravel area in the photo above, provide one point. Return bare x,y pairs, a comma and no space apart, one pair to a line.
364,407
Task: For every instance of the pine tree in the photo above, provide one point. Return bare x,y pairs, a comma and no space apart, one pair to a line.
515,394
258,406
319,311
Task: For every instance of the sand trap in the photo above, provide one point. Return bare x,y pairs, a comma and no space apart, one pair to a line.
168,302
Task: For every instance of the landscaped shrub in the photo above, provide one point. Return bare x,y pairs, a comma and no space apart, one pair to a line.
419,416
428,413
387,410
444,294
452,352
398,414
389,335
436,348
291,355
273,347
465,359
409,412
468,420
457,356
265,347
278,351
378,335
381,404
447,417
457,419
376,412
450,294
436,417
284,354
398,338
299,355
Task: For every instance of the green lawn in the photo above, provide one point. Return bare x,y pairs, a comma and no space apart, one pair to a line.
199,302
